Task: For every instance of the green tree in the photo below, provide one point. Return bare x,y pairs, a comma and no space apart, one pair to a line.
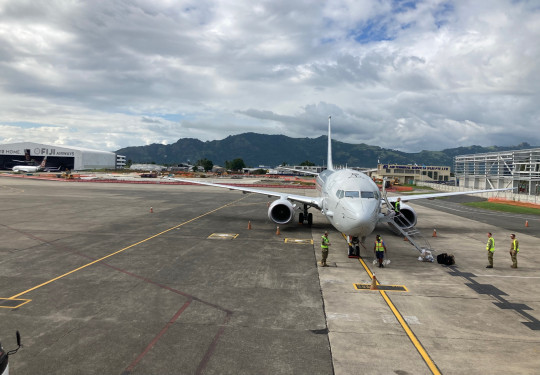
307,163
206,164
235,165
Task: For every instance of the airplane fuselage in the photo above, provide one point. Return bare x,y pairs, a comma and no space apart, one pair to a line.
26,168
351,201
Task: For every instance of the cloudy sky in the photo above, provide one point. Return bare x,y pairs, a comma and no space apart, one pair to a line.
406,75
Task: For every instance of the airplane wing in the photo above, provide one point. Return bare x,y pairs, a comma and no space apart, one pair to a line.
406,198
315,202
300,171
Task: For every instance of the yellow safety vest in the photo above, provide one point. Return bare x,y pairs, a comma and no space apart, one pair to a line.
379,245
492,247
397,206
515,245
324,243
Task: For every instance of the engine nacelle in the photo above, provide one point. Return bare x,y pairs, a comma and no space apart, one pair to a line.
408,217
281,211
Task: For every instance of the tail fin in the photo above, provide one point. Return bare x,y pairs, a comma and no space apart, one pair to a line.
43,162
330,166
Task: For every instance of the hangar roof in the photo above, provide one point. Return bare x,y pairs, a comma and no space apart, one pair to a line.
35,144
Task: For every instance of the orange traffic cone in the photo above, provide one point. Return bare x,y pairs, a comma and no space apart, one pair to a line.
373,283
249,224
434,233
278,232
151,210
405,239
526,223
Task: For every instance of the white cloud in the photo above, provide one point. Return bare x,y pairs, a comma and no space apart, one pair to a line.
417,75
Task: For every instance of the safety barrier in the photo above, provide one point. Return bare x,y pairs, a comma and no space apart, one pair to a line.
158,182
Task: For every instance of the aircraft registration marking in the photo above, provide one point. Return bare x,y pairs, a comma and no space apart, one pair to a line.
389,288
223,236
299,241
12,303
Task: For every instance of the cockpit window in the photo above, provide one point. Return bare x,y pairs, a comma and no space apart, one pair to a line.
352,194
339,194
368,194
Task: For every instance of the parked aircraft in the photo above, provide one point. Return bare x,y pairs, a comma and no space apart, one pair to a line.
52,169
349,199
30,168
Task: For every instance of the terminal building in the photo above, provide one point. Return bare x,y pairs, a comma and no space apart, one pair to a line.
519,169
411,174
61,157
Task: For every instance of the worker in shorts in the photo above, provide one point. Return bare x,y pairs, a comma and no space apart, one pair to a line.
380,250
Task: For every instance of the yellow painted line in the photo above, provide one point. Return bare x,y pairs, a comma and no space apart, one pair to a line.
22,302
223,236
386,288
423,353
299,241
124,249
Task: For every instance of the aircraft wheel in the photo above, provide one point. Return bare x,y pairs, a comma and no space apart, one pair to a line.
301,218
310,219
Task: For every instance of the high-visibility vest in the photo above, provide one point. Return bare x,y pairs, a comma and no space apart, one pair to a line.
324,243
397,206
515,245
492,247
379,245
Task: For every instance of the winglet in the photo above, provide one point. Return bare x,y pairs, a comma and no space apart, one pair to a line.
330,166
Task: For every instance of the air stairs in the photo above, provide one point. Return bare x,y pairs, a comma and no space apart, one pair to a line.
412,234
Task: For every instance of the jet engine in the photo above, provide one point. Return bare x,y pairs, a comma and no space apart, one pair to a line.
408,217
281,211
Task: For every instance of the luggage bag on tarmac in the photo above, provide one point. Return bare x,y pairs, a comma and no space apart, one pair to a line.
441,258
444,258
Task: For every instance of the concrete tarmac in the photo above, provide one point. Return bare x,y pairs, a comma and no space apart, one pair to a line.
97,284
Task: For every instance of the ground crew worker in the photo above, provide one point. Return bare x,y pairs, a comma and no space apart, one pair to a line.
397,206
490,247
325,242
380,250
514,250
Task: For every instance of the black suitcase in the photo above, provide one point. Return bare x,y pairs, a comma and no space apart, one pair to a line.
441,258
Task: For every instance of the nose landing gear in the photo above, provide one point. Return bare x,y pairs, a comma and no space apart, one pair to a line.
305,216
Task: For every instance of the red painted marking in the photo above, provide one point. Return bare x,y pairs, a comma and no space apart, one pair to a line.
158,336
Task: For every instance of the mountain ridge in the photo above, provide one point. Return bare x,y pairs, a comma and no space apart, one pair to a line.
271,150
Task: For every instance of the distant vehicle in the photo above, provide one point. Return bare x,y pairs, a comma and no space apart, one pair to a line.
4,356
149,175
30,168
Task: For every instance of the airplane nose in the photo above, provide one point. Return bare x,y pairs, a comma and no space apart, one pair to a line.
362,219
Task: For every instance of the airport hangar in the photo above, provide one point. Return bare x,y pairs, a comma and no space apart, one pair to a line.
65,157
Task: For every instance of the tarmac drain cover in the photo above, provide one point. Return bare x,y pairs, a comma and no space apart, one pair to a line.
388,288
9,303
223,236
298,241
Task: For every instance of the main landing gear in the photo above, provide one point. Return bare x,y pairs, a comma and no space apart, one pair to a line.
305,216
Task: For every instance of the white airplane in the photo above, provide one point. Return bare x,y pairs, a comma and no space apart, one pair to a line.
349,199
30,168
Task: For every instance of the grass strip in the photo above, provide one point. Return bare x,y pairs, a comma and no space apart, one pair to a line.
504,207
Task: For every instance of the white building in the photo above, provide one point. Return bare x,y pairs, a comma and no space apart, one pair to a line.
519,169
66,157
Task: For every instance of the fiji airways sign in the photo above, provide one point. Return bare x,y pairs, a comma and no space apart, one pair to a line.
36,151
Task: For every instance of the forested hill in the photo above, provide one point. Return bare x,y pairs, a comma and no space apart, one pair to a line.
271,150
